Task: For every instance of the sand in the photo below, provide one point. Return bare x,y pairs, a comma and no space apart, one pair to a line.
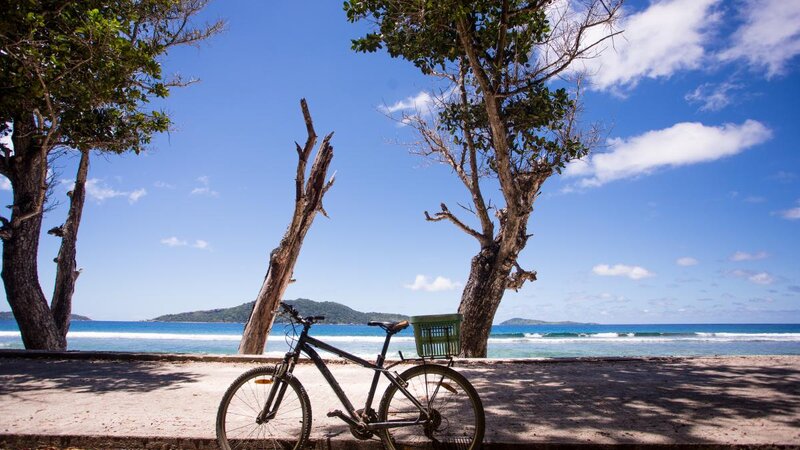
132,403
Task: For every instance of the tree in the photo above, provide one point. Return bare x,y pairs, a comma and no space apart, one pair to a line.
501,115
74,77
307,202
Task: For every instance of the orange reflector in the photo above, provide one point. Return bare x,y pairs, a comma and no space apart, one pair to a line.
449,387
263,381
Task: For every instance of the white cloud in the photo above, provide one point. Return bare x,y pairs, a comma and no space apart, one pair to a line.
201,244
163,185
5,184
422,102
745,256
204,188
686,261
658,41
424,283
769,37
97,190
762,278
791,213
622,270
679,145
134,196
174,242
713,97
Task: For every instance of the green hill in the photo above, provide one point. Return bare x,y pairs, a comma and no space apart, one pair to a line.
8,315
333,312
521,321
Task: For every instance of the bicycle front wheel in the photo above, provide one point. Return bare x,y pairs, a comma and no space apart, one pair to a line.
237,427
455,412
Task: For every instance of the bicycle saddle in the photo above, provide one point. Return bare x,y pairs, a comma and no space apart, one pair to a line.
390,327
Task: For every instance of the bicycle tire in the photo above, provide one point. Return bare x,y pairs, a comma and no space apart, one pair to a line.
455,405
236,425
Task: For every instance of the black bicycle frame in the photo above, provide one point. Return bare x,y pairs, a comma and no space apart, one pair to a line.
306,344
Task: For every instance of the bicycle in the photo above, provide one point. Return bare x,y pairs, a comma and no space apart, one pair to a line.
428,404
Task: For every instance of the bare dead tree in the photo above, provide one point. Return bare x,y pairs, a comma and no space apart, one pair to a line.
308,201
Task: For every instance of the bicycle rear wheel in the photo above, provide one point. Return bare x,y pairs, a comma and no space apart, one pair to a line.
455,410
237,428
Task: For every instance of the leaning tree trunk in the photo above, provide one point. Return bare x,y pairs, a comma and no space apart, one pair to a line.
308,200
489,276
479,302
20,250
66,269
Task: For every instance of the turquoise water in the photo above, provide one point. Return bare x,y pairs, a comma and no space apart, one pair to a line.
505,341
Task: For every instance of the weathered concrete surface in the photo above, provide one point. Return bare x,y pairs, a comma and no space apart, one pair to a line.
128,402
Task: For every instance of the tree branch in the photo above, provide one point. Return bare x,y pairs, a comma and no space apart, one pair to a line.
304,152
5,229
499,138
519,277
445,214
474,184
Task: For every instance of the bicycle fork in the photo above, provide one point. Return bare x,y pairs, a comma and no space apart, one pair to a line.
276,393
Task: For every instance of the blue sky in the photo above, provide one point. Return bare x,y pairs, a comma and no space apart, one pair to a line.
690,211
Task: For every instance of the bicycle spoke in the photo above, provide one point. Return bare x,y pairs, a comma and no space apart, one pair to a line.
452,420
243,403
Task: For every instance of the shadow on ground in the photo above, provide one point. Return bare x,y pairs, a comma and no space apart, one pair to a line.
666,401
19,375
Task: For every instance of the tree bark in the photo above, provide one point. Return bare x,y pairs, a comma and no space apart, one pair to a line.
308,201
480,300
490,275
28,176
66,272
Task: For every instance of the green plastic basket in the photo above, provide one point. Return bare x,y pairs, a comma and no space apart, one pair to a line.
437,335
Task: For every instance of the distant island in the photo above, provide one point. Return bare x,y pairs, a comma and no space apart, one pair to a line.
8,315
335,313
521,321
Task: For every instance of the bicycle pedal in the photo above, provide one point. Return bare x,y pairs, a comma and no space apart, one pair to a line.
335,413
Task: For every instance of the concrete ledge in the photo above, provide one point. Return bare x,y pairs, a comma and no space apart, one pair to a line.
179,357
27,441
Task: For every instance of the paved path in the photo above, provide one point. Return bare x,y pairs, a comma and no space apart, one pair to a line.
136,403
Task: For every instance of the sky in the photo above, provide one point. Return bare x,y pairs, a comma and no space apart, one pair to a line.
689,211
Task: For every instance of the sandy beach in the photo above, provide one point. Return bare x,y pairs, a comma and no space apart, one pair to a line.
135,403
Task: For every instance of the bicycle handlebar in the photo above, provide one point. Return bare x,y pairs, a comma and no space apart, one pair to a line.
292,311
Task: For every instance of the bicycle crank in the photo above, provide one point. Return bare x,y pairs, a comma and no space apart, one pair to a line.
366,417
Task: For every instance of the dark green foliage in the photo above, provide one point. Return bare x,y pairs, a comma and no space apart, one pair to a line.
335,313
501,114
536,118
84,70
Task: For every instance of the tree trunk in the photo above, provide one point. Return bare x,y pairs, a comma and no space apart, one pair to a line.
481,298
308,201
20,250
489,276
66,272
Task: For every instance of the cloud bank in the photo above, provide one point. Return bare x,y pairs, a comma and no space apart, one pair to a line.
682,144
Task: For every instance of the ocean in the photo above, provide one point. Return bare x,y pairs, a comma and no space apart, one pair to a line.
506,341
